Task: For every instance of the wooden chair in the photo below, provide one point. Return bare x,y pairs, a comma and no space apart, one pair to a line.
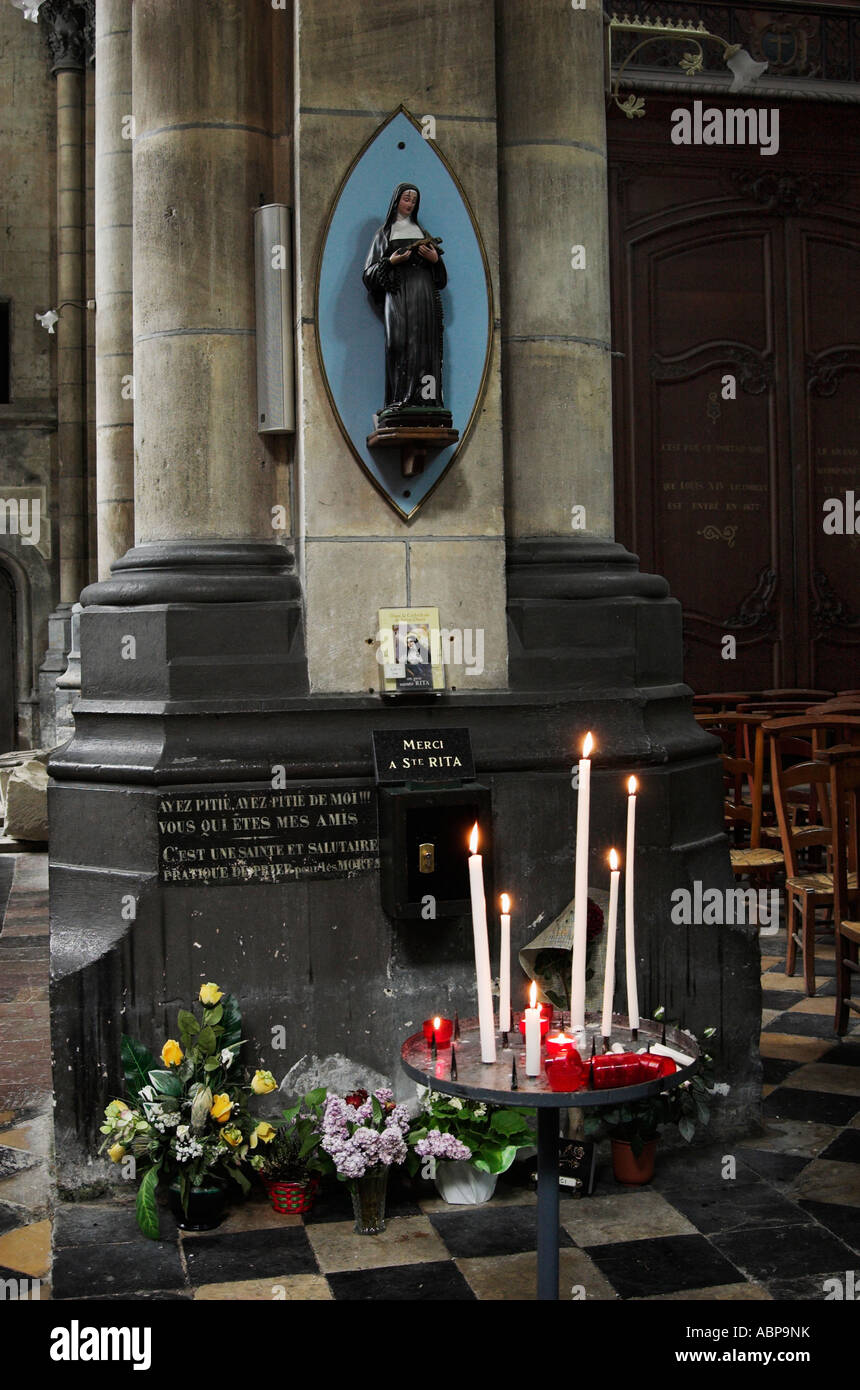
796,694
743,770
808,887
844,765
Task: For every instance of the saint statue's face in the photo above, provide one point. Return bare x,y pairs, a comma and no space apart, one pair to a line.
408,199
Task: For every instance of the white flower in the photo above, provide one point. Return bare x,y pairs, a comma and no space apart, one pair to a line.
227,1056
480,1111
456,1102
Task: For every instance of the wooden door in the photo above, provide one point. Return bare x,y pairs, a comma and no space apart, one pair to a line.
736,400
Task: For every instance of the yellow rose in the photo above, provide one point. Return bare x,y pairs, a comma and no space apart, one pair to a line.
171,1053
264,1132
116,1152
232,1136
263,1083
220,1108
210,995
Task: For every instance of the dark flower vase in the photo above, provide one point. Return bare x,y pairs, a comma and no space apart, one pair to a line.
205,1206
368,1201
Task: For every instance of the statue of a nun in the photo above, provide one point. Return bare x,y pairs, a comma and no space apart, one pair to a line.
404,272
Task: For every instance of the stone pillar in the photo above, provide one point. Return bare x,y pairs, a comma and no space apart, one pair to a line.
553,199
355,64
202,161
114,360
67,26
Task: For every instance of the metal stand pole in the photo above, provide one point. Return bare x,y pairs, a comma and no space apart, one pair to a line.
547,1203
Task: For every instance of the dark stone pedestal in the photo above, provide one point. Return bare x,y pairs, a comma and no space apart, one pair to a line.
215,697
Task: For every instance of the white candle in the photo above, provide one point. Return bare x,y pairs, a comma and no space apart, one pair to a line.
486,1020
532,1016
505,967
682,1058
629,924
609,972
580,891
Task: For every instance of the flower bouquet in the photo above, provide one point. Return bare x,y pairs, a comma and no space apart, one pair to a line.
187,1121
364,1135
291,1164
452,1131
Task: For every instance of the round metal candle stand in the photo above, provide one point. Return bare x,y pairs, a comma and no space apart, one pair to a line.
491,1082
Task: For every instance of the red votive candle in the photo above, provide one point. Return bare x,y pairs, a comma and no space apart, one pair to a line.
612,1069
560,1044
544,1025
443,1029
566,1071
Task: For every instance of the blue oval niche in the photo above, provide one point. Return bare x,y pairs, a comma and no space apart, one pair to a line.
350,330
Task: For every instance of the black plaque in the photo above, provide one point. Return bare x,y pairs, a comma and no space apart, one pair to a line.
422,755
254,835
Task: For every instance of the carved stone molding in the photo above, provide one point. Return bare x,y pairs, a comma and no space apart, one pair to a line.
69,30
830,610
754,608
784,193
754,370
825,370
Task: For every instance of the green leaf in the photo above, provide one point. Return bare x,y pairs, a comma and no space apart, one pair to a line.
136,1061
376,1109
166,1083
687,1127
212,1063
231,1022
238,1176
206,1042
509,1122
146,1209
188,1024
214,1015
290,1115
315,1097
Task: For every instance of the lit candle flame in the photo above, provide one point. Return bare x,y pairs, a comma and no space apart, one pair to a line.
437,1024
613,860
588,744
473,839
506,904
632,784
533,996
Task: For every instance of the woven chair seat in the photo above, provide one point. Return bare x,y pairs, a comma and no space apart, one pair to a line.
756,859
816,883
851,929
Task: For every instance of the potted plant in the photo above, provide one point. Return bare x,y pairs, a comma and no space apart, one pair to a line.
464,1145
633,1127
291,1164
364,1135
186,1122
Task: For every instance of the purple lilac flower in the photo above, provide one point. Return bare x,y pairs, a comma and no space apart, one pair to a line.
438,1145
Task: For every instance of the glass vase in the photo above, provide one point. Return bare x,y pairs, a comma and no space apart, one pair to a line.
368,1200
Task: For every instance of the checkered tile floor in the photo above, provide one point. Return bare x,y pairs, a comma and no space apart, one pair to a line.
786,1221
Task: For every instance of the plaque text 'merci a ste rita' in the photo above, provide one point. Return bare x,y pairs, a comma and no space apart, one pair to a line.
254,836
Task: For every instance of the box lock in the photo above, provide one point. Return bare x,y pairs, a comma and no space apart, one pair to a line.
426,859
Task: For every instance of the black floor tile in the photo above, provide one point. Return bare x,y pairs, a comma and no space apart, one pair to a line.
780,998
843,1054
774,1070
844,1222
765,1252
822,1107
845,1148
806,1288
667,1264
221,1258
10,1217
91,1223
150,1296
732,1207
696,1170
434,1283
778,1169
490,1231
803,1025
14,1161
82,1271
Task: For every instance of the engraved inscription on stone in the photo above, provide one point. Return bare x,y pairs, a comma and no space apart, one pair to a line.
265,836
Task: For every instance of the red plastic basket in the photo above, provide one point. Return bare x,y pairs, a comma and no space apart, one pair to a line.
292,1197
